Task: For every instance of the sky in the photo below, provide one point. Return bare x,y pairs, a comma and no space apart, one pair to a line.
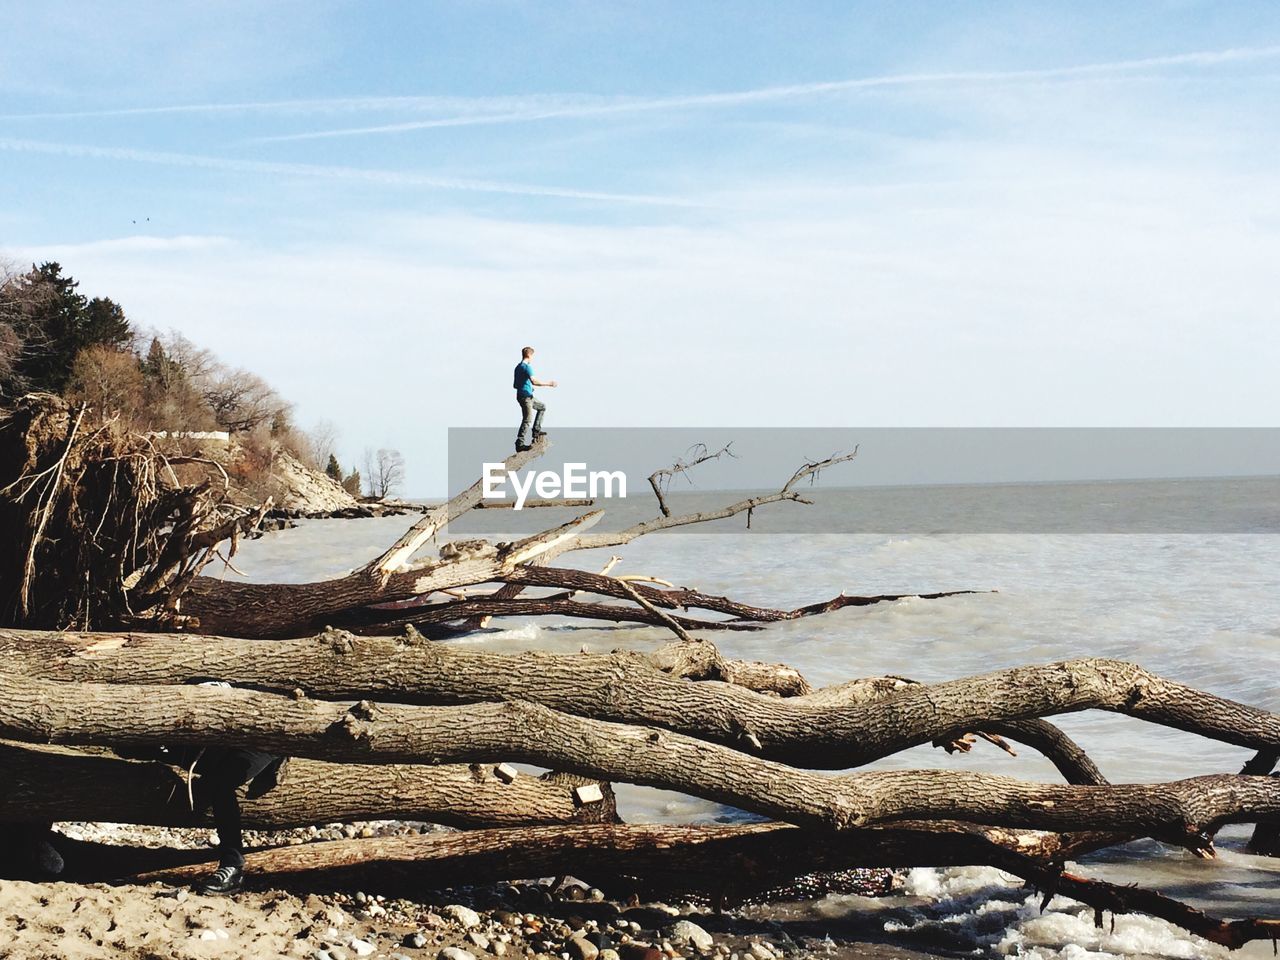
750,214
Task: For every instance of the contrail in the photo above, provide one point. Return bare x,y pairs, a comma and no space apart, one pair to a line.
515,109
387,177
494,104
1202,58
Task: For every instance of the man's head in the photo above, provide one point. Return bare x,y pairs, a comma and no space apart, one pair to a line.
527,353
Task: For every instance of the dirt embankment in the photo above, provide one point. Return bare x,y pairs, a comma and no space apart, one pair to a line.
297,491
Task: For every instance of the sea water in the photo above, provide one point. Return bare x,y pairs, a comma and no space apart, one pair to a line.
1201,608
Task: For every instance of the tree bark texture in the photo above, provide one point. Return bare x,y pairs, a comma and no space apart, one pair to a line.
627,689
53,783
733,862
44,711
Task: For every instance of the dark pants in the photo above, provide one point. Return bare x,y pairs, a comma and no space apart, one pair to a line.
528,407
221,773
27,852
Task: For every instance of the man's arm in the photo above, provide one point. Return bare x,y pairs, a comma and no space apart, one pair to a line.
542,383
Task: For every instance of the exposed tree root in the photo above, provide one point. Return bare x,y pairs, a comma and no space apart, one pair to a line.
98,527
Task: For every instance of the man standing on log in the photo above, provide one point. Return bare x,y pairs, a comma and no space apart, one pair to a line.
524,384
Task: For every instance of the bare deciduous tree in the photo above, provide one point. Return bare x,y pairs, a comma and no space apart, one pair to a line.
108,380
384,472
192,362
175,369
241,400
321,443
17,333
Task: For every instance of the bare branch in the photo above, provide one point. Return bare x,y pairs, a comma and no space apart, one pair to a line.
666,522
660,480
399,553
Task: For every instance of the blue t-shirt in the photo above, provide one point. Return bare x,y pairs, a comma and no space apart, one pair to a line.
524,379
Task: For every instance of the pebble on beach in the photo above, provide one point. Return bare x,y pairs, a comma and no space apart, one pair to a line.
685,931
467,917
515,921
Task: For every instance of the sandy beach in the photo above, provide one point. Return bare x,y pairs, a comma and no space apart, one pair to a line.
69,921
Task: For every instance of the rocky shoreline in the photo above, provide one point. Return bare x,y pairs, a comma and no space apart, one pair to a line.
532,920
527,920
287,519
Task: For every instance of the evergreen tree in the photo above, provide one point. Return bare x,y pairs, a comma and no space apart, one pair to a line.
353,484
56,313
332,469
105,324
59,322
157,367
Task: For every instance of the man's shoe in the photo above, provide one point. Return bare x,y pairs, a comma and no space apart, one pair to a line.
224,880
539,434
522,447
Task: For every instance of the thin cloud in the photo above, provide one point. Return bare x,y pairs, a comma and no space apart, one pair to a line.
333,105
143,243
359,174
532,107
1201,58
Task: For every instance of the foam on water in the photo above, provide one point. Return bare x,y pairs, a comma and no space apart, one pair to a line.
1203,609
520,636
984,912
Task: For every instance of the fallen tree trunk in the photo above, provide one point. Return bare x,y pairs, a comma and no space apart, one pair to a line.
291,610
363,599
52,783
279,610
381,619
627,689
44,711
726,862
622,687
117,539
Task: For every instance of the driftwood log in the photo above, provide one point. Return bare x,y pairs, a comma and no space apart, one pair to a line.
67,784
373,596
628,688
815,730
102,528
721,862
104,714
671,747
